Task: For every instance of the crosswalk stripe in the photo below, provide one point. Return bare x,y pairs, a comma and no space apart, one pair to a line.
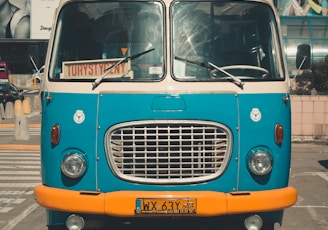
19,166
13,222
18,185
29,192
19,173
15,193
11,200
12,178
19,158
20,162
18,201
19,153
5,209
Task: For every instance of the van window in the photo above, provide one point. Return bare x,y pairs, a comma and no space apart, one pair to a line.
239,37
93,37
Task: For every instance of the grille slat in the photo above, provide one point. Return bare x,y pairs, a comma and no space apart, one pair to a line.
168,152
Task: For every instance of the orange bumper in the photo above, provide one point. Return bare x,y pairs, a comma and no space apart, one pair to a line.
123,203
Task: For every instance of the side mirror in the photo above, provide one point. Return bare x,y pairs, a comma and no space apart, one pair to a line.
303,57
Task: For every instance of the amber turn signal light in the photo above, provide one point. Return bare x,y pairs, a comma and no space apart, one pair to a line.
55,135
278,134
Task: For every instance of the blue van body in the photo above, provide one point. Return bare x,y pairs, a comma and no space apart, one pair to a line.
165,116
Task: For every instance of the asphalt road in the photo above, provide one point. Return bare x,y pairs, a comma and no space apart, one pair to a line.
309,174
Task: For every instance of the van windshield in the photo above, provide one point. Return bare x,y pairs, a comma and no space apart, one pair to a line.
239,38
91,37
99,41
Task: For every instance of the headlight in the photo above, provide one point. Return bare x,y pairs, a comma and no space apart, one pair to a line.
260,162
73,165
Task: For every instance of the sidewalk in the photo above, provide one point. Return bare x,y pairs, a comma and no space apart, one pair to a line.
9,142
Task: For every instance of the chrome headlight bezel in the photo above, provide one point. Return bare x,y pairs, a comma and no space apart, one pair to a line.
260,162
73,165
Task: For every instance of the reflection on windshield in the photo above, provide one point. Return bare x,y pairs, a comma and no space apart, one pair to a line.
94,36
236,37
121,62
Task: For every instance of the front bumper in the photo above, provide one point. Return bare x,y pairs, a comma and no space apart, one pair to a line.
123,203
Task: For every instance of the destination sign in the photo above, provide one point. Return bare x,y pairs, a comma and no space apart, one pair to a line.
94,68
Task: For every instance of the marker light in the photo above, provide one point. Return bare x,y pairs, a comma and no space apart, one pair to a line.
260,162
55,135
73,165
278,134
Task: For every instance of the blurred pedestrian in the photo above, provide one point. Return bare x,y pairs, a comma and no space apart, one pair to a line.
317,7
294,7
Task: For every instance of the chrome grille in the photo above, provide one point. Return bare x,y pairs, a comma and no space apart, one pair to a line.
168,152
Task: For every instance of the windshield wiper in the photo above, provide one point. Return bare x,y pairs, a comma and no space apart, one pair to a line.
210,65
102,77
235,80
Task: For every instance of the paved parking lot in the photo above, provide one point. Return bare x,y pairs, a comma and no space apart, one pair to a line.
309,175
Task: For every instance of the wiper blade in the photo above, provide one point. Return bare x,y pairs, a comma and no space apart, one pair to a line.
202,64
101,78
210,65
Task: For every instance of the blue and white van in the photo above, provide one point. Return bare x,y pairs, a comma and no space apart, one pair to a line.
165,108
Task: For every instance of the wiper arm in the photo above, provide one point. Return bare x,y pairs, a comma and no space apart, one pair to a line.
101,78
210,65
235,80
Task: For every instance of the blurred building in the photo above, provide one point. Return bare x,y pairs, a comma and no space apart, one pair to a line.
26,35
303,25
298,27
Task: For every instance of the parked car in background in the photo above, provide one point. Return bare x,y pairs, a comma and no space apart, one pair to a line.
9,92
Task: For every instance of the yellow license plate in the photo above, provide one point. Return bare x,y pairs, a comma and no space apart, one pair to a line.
166,206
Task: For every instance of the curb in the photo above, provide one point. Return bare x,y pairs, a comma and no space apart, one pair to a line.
20,147
8,126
